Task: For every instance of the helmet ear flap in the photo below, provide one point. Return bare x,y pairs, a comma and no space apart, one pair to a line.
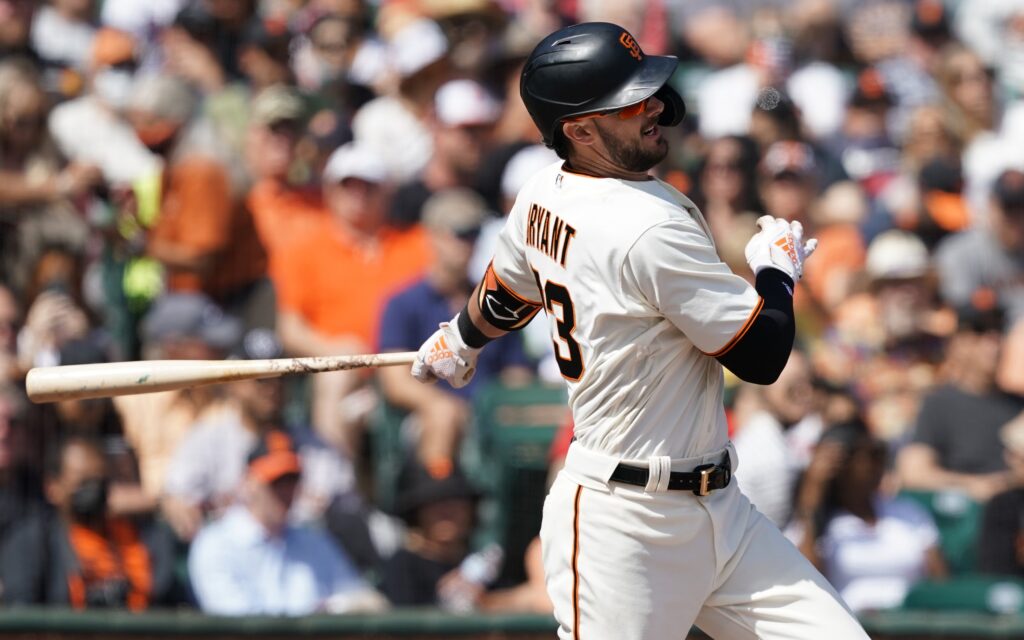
675,107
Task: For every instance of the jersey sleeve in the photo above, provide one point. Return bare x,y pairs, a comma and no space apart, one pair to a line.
510,266
676,269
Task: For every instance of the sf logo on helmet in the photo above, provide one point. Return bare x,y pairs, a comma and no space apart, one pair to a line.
627,41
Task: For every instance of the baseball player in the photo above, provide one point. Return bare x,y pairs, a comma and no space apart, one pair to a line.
644,533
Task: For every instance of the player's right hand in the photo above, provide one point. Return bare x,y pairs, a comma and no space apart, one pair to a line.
445,356
779,245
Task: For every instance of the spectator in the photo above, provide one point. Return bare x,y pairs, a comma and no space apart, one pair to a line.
178,327
990,256
789,180
871,547
209,464
863,142
453,219
252,561
10,321
887,341
339,61
773,444
96,419
956,442
791,177
282,206
56,314
21,488
203,42
418,51
90,129
15,29
38,192
725,189
993,31
440,511
78,556
204,236
967,89
464,114
322,314
263,54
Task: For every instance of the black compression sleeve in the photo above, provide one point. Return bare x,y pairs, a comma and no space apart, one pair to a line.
761,354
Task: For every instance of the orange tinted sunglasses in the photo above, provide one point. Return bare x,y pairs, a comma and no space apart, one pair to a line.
625,113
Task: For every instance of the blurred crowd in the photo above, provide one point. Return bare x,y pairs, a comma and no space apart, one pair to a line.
208,179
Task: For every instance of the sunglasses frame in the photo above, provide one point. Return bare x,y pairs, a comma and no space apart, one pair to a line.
625,113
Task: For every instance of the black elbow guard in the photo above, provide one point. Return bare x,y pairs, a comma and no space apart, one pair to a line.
502,307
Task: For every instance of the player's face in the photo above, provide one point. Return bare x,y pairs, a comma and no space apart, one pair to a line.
634,143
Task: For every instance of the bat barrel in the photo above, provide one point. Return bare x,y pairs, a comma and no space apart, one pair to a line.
76,382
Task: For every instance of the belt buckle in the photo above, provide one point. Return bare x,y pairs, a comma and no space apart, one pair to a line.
705,472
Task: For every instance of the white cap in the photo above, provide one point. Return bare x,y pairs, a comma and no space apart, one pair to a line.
355,160
462,103
521,167
897,255
417,45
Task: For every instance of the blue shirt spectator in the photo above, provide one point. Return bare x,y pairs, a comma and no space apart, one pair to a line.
251,561
238,568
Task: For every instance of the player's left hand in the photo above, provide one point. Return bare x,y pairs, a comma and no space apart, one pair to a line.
779,245
446,356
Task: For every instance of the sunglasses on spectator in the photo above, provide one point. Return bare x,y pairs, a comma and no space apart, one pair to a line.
33,121
467,235
728,165
625,113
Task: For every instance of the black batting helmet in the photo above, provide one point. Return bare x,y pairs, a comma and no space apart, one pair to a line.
593,67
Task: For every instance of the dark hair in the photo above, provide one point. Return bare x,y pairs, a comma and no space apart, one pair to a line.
853,436
560,143
748,160
53,461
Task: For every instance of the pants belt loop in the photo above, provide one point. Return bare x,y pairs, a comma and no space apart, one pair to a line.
659,472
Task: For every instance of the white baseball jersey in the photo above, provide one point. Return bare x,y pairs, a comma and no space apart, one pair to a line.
638,302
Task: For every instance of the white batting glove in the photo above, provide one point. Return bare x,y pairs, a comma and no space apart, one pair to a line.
445,356
779,245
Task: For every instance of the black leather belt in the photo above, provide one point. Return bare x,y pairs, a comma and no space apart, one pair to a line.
702,480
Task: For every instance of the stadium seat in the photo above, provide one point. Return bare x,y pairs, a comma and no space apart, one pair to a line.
515,427
985,594
958,518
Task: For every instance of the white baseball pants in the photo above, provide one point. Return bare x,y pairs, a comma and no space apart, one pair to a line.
625,563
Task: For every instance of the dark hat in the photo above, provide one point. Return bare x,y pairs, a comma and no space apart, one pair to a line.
81,351
190,315
982,314
871,90
274,457
848,433
941,181
930,19
419,487
1008,190
942,174
271,36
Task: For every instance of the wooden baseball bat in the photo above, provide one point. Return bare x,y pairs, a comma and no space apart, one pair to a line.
80,381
